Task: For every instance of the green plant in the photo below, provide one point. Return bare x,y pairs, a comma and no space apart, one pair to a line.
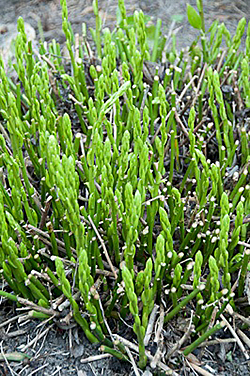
128,196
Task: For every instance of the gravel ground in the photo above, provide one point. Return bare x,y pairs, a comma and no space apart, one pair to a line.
48,12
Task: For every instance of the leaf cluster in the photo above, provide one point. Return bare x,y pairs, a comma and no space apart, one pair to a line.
125,178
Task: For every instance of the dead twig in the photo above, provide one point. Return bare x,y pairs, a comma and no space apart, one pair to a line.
221,61
178,100
242,318
38,369
16,333
104,319
197,368
217,341
158,129
45,212
134,347
244,337
34,340
239,343
158,355
199,84
7,322
6,361
184,130
183,339
95,358
150,326
45,238
160,325
103,246
37,308
132,361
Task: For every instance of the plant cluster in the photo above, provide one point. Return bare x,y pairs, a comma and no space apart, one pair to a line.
124,182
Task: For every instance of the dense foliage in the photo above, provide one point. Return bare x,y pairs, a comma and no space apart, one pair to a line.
124,177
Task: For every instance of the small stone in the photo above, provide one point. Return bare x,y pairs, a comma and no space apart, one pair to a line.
77,351
147,373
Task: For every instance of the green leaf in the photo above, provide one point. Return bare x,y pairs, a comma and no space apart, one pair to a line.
131,22
13,356
193,17
150,32
199,5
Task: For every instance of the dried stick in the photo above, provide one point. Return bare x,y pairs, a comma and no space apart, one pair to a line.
37,308
221,61
134,347
103,246
201,371
10,320
244,337
160,325
242,318
34,230
132,361
158,355
6,360
34,340
178,344
38,369
185,89
184,130
45,212
217,341
95,358
239,343
158,129
150,326
199,84
16,333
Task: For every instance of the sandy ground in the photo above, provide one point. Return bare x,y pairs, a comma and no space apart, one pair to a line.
48,13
